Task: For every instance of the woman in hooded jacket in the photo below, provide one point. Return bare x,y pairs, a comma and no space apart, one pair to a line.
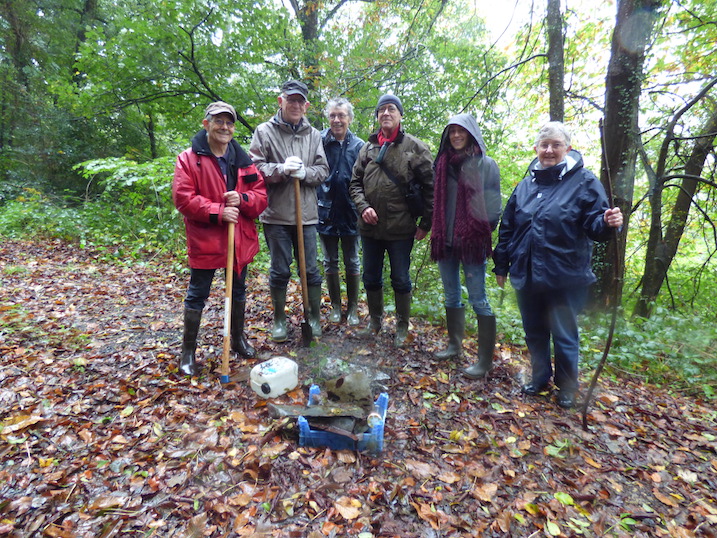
466,210
545,244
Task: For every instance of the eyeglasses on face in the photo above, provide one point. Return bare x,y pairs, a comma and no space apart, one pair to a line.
547,144
221,123
338,116
295,100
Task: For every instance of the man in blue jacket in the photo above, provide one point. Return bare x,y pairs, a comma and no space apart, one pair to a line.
338,219
545,243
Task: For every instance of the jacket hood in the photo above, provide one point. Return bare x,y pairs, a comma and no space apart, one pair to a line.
200,146
573,161
470,124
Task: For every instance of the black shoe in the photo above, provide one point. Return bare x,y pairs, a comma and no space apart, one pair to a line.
532,390
566,400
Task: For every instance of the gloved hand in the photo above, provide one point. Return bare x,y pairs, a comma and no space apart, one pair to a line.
299,174
292,164
295,168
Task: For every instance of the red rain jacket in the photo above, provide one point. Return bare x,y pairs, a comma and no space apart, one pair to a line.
198,193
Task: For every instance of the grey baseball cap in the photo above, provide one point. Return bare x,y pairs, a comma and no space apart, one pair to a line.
220,107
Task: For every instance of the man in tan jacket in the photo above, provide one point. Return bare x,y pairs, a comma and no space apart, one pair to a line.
285,148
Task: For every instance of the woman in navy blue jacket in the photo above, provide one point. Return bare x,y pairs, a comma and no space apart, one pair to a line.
337,213
545,243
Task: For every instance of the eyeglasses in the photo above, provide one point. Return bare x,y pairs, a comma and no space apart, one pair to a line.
340,116
391,109
295,100
547,145
221,123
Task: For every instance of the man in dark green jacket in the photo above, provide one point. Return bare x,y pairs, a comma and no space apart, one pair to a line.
388,162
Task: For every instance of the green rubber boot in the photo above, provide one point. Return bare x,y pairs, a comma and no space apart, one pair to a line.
374,299
456,325
315,310
334,285
403,314
486,346
278,301
352,290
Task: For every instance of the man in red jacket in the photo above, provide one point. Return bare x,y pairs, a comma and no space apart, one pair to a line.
215,183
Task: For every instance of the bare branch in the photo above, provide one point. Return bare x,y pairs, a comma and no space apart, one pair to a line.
496,75
669,136
191,58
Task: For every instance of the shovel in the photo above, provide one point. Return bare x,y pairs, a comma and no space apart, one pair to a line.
306,332
228,305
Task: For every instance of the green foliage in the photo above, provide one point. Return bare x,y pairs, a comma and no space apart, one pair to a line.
656,350
146,219
133,215
33,214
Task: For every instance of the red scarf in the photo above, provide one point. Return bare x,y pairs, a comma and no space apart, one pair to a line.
471,228
382,139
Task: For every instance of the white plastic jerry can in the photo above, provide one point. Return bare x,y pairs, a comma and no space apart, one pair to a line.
274,377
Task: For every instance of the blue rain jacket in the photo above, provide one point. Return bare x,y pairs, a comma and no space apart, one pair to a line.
546,234
337,213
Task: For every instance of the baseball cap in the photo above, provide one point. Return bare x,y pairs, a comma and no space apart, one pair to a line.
294,87
220,107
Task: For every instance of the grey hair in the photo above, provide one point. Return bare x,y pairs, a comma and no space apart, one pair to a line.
554,130
339,102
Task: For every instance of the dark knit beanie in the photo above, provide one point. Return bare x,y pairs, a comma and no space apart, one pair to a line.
389,99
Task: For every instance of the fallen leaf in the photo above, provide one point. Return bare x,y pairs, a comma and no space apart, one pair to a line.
348,508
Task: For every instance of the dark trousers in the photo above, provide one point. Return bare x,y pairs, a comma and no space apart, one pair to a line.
553,313
399,257
200,284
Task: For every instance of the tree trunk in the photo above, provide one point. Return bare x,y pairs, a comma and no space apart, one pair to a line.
633,30
556,61
662,250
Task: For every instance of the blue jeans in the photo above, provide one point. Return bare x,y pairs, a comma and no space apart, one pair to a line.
200,284
553,313
399,257
475,282
350,249
282,242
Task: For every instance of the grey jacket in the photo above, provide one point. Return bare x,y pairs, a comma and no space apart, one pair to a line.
409,159
273,142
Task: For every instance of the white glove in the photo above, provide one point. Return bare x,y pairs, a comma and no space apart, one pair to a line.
292,164
295,168
299,174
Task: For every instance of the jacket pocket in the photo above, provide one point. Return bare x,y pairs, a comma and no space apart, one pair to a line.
324,211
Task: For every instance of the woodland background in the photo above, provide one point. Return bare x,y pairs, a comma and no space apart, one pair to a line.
98,97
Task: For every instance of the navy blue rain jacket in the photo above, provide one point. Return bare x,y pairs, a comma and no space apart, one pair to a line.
337,213
546,235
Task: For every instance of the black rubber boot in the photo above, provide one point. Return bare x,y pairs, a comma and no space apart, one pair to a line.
240,344
187,362
352,291
456,325
278,301
403,314
486,346
334,285
374,299
315,310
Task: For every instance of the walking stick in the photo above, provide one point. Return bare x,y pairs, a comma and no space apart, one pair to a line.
228,305
616,277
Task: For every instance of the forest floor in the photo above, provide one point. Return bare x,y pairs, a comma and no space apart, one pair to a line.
100,437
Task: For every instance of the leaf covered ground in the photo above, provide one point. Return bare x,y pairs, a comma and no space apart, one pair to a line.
101,437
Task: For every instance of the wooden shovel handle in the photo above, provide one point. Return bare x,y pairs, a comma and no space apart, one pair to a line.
300,242
228,303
